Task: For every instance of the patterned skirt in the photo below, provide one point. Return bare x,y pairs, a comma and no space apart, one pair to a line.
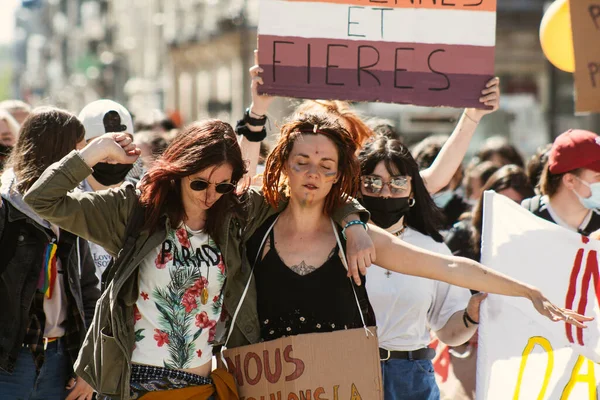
146,378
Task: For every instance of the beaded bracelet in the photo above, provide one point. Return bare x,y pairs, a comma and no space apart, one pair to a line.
353,222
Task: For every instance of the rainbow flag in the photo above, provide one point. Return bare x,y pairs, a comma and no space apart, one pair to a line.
47,278
424,52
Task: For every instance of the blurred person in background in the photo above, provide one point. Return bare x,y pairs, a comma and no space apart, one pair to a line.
500,151
9,133
464,239
384,127
570,183
154,120
98,118
476,176
536,165
49,289
152,145
17,108
451,197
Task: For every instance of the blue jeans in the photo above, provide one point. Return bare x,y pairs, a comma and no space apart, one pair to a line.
409,380
25,384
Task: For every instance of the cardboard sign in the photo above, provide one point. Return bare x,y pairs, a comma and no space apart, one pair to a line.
585,22
319,366
424,52
521,354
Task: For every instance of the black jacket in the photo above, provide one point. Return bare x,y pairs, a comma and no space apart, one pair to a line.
18,286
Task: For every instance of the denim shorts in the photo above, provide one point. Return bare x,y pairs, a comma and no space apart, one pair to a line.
409,380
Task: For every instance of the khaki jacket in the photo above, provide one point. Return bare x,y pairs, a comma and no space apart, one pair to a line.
101,217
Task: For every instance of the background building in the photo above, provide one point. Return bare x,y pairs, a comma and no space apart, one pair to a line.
192,56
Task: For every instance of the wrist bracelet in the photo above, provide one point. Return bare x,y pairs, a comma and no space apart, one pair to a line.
353,222
254,121
242,129
466,317
469,118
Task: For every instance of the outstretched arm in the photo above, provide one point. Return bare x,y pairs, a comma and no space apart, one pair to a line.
399,256
439,174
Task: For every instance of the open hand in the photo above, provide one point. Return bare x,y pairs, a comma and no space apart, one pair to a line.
546,308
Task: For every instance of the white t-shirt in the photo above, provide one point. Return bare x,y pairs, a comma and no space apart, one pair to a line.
180,301
100,256
407,307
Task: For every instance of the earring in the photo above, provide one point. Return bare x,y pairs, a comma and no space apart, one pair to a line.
411,202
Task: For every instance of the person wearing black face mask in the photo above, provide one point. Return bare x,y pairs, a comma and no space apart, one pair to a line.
98,118
406,307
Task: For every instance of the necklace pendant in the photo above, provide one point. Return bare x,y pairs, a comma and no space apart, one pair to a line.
388,273
204,296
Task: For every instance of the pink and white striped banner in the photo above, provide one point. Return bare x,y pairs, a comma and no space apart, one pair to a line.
424,52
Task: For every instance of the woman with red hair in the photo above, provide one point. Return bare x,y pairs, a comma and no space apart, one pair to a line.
302,291
175,241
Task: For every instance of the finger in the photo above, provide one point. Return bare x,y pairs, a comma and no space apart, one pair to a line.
132,156
121,138
356,274
573,321
362,266
73,395
255,57
493,89
577,316
129,147
492,82
368,259
352,265
489,97
373,254
356,277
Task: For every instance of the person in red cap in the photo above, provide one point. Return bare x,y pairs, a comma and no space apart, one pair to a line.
570,183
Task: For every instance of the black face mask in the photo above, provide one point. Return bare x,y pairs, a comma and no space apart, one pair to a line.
110,174
385,212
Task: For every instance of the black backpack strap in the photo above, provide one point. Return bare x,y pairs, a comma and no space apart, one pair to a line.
534,205
132,233
592,226
8,237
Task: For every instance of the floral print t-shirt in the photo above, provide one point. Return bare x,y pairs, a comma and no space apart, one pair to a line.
180,301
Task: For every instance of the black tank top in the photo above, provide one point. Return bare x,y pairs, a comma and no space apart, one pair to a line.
292,304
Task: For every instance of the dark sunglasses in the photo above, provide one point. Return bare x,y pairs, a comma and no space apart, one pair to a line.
373,184
199,185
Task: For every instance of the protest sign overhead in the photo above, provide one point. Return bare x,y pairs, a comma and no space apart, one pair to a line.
521,354
585,22
430,53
